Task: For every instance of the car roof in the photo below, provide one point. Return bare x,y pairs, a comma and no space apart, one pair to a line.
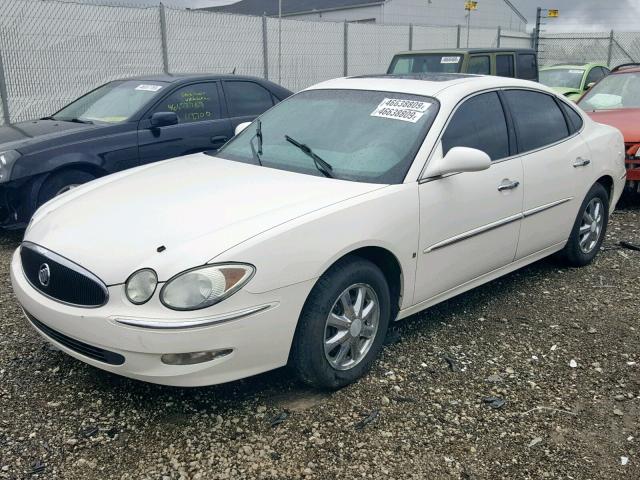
471,51
626,70
185,77
575,65
430,85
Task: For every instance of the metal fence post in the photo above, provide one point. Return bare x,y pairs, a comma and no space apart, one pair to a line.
610,54
163,39
346,49
411,37
458,40
4,95
265,51
499,36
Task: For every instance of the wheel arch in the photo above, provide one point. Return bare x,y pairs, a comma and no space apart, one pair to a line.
390,266
607,182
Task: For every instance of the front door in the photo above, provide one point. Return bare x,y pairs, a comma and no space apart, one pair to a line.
202,124
469,222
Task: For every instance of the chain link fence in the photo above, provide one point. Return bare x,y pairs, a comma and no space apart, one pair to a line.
52,51
609,48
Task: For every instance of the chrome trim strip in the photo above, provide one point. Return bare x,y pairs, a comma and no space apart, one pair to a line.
68,264
474,232
623,176
195,322
542,208
494,225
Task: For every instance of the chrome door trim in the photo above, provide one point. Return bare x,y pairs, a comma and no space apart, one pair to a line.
542,208
474,232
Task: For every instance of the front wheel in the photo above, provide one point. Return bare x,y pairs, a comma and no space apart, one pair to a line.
343,325
589,228
61,182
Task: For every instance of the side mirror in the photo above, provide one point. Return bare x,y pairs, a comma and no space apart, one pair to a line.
589,86
458,160
163,119
241,127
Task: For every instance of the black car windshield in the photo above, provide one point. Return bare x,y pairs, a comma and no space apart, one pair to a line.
363,136
562,77
112,103
426,63
613,92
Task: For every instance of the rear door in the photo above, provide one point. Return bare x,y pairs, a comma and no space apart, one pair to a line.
202,123
555,160
245,100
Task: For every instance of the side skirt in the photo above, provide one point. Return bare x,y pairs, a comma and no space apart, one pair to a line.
487,277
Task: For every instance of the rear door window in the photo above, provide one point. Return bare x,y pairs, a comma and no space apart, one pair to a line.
479,65
538,119
527,66
246,99
193,103
505,66
479,123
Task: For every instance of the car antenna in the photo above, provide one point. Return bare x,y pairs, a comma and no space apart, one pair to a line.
234,71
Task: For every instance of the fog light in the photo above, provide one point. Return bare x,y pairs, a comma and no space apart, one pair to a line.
193,358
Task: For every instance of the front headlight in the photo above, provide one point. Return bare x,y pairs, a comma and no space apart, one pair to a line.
141,285
7,159
204,286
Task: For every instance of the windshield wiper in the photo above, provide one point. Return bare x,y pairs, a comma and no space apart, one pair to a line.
324,167
257,154
77,120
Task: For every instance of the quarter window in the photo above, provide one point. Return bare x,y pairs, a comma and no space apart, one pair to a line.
527,66
538,119
575,120
595,75
193,103
479,65
504,66
479,123
247,99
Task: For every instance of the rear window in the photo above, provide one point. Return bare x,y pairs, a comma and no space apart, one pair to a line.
504,66
426,63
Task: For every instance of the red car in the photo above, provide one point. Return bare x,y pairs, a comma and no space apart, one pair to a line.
615,101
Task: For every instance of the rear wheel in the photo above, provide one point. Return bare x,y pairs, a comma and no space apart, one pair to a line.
61,182
589,229
343,325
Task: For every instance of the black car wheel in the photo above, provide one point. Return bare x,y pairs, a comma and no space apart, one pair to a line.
60,182
589,228
343,324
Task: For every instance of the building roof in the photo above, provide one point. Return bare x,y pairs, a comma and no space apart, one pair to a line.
290,7
297,7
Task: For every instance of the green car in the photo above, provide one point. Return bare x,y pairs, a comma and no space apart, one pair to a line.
573,80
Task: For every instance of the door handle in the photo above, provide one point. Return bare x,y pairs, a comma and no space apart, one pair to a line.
220,139
508,185
581,162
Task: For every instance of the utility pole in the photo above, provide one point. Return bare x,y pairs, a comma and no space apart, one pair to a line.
469,7
536,38
280,41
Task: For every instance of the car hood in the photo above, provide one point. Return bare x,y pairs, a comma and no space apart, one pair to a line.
196,207
627,120
15,136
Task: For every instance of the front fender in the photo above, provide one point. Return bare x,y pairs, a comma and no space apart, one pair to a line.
304,248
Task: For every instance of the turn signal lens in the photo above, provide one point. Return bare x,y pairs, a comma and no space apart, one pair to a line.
141,285
205,286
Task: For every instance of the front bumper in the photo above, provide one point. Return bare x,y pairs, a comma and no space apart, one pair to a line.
259,341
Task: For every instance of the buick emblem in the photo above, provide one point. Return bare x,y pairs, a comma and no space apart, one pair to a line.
44,274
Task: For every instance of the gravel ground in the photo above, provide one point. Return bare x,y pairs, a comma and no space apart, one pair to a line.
536,375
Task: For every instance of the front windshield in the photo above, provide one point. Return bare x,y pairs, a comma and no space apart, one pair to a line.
111,103
426,63
363,136
562,78
613,92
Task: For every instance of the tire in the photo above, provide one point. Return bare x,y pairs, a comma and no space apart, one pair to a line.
58,182
583,247
310,357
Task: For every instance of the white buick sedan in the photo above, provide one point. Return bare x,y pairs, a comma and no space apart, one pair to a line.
352,204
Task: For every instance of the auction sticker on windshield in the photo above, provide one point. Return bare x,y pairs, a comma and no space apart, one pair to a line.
398,109
450,60
149,88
